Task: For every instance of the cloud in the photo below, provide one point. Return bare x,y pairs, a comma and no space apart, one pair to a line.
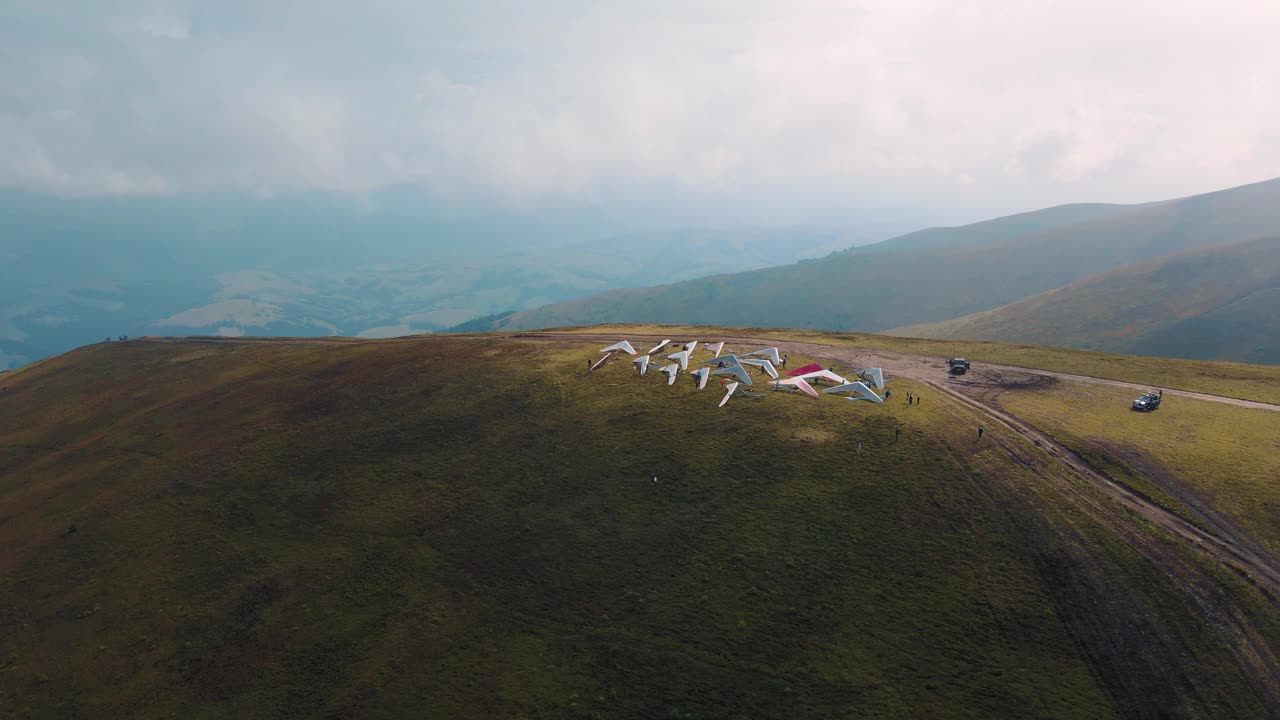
1033,102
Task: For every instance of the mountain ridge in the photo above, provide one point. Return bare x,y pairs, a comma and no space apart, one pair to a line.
877,287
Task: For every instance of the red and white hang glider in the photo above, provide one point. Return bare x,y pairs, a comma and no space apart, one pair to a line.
623,346
700,376
643,363
798,384
857,391
823,375
681,357
657,347
762,363
729,390
671,372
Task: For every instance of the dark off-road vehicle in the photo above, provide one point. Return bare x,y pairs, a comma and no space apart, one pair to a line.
1147,403
958,366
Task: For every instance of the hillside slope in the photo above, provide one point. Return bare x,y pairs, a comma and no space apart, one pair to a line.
1212,304
944,274
459,527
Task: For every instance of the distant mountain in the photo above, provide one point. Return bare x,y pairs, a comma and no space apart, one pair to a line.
75,270
1217,303
937,274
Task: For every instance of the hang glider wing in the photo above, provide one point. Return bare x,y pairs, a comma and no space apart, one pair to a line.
690,347
811,367
729,390
875,376
643,363
681,357
771,353
623,346
701,375
762,363
799,384
714,347
857,391
671,371
735,369
726,359
657,347
823,375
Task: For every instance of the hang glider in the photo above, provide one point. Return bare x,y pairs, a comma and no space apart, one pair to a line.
761,363
681,357
700,376
623,346
671,371
771,353
873,375
798,384
657,347
729,390
643,362
811,367
858,391
822,375
735,369
726,360
690,347
714,347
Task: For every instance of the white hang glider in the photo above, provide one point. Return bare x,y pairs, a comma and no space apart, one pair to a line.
873,375
729,390
761,363
700,376
771,353
681,357
798,384
690,347
731,367
671,371
643,363
714,348
657,347
857,391
623,346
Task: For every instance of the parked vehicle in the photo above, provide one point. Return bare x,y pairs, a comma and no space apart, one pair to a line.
1147,403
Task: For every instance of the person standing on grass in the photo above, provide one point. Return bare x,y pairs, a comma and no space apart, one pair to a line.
980,431
897,432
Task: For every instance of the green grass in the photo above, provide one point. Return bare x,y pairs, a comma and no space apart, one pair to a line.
1260,383
1223,456
469,528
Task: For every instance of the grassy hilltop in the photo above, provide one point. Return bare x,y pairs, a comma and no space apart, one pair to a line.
469,527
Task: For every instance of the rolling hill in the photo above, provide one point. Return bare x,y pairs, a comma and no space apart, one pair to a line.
1216,303
463,527
938,274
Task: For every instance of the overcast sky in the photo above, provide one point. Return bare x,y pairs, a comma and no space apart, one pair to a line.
965,103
